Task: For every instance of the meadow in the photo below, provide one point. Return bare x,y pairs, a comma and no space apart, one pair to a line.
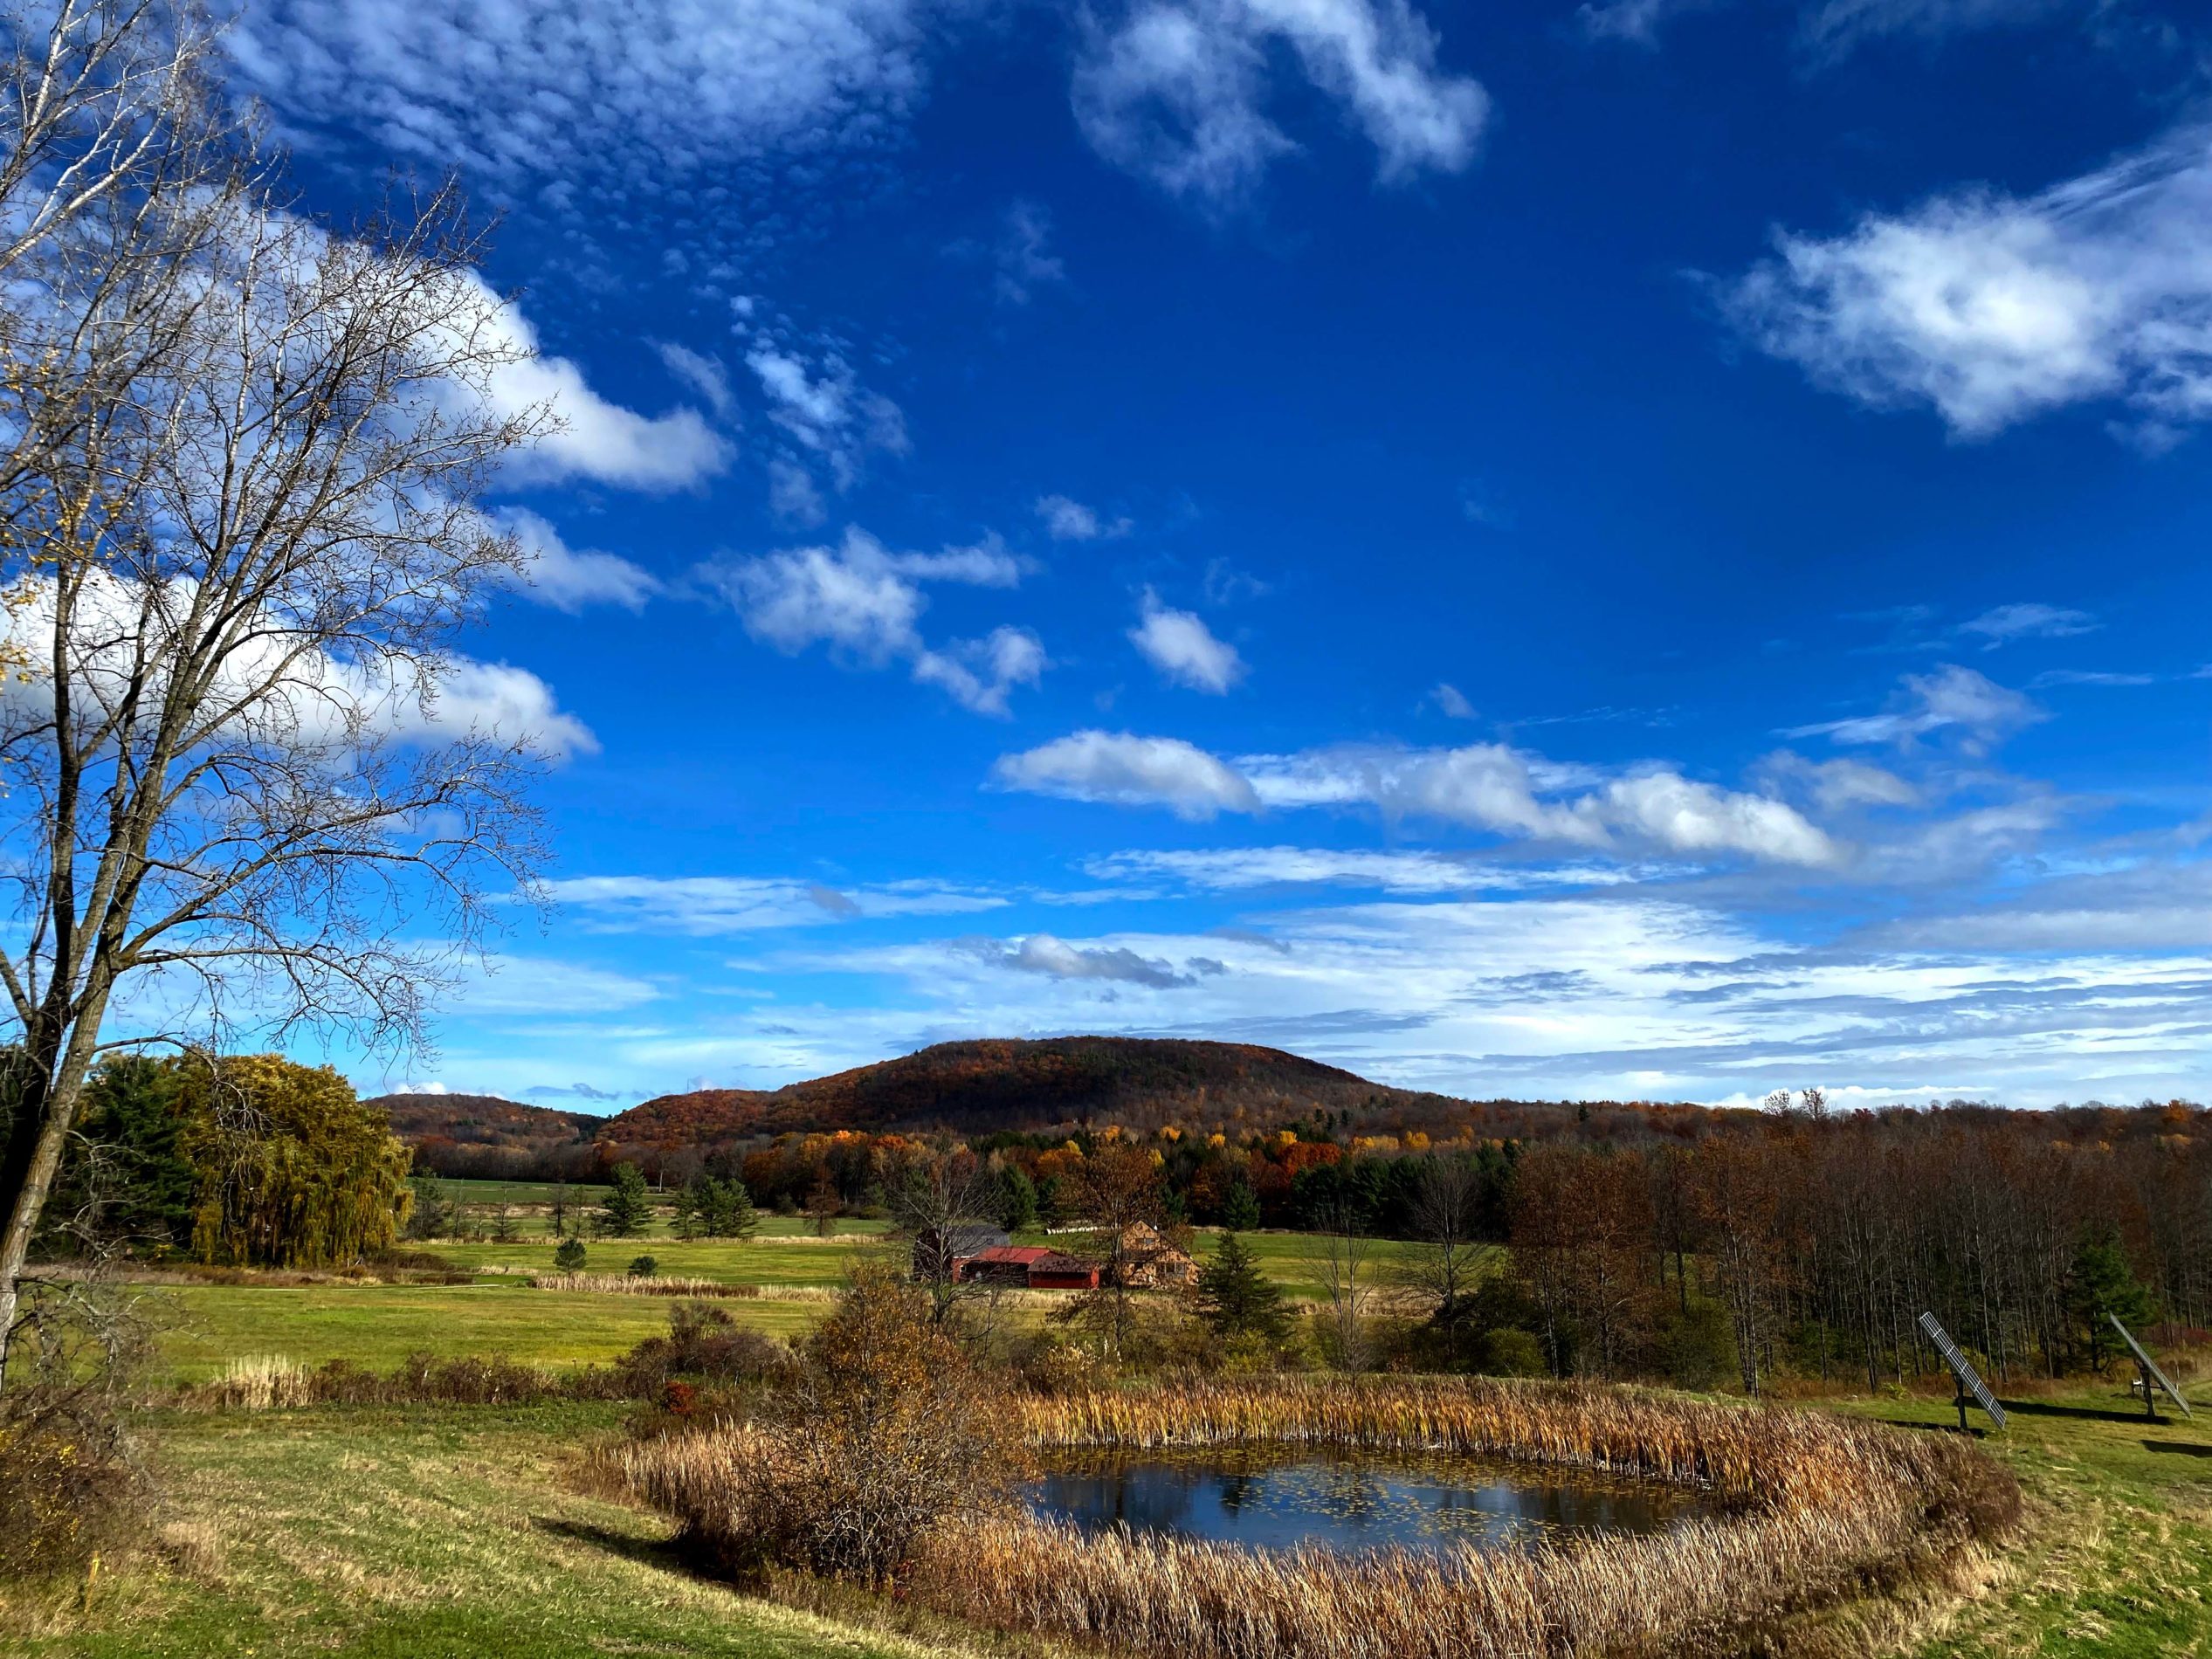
201,1325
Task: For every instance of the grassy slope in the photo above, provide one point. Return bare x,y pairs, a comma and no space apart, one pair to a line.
2119,1565
451,1532
375,1535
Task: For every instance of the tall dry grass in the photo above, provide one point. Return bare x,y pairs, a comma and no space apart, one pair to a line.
1814,1508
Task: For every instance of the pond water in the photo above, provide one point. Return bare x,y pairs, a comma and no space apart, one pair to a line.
1274,1502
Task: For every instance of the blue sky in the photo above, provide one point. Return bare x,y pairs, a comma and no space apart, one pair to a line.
1652,549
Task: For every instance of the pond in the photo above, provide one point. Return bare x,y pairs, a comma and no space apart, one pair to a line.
1263,1501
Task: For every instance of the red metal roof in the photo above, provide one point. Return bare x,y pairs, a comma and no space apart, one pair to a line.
1012,1255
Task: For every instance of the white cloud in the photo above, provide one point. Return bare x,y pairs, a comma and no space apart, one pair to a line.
1636,21
1951,699
1234,868
1992,308
531,985
1838,26
569,580
275,679
495,699
1056,958
2005,623
1485,786
792,494
864,603
703,373
1452,701
628,89
1023,261
1174,90
1070,520
593,438
979,673
1840,783
1121,769
825,408
1183,649
708,907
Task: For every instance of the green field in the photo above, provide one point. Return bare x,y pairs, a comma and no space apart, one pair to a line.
457,1530
376,1325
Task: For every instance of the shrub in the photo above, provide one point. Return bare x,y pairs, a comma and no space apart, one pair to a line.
1508,1353
70,1487
568,1255
643,1267
883,1432
706,1343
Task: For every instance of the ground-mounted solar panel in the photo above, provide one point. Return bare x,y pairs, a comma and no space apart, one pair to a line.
1969,1380
2151,1374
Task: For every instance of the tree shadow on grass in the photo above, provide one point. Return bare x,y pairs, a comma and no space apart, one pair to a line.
2091,1414
2181,1446
1973,1432
661,1552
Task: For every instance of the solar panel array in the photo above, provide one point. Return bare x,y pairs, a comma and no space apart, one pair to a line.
2150,1365
1962,1369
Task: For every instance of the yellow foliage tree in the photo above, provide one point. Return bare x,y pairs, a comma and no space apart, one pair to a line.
294,1170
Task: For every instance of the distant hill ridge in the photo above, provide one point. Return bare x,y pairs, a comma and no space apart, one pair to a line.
970,1087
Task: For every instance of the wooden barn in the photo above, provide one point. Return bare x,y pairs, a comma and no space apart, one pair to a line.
1031,1266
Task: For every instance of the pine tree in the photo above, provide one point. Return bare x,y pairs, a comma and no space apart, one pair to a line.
1240,1211
1236,1298
690,1218
1016,1199
569,1256
628,1208
2102,1283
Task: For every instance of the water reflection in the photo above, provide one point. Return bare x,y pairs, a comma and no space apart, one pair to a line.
1265,1503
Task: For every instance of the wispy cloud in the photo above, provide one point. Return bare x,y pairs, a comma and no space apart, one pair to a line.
864,603
1954,701
1176,91
1991,308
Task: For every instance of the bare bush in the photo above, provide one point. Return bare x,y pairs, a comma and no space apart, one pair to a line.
884,1434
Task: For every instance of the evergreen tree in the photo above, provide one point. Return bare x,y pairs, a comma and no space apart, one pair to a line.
726,1210
1016,1199
629,1207
2101,1284
1236,1298
689,1219
1240,1211
569,1256
123,1181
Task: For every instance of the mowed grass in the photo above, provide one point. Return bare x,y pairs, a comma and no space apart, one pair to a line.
438,1534
201,1326
2117,1564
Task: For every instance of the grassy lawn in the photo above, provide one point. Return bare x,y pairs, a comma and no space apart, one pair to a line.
377,1326
2119,1565
378,1535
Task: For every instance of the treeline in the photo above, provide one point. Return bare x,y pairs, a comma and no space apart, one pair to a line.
1820,1239
244,1159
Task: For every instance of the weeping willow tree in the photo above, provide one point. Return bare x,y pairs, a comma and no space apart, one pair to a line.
295,1171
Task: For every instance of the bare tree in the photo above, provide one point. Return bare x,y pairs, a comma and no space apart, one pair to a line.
241,521
1116,1191
1340,1255
938,1203
1445,1266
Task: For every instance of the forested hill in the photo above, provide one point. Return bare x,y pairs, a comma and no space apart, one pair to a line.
1009,1084
481,1134
1054,1084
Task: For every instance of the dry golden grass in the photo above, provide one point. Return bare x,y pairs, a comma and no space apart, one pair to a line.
1816,1508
